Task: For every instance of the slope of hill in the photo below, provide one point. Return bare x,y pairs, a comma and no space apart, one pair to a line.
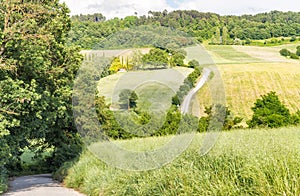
243,162
249,72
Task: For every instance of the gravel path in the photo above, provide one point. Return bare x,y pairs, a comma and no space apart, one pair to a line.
38,185
187,100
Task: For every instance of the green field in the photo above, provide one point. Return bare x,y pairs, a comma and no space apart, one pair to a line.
154,88
243,162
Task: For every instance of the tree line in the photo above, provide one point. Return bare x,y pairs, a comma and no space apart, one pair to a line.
90,29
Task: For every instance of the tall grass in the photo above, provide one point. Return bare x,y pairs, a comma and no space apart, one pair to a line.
243,162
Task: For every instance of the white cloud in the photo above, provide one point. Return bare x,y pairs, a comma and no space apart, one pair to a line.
116,8
122,8
238,7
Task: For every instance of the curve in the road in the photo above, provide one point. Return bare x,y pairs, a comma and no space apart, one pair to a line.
187,100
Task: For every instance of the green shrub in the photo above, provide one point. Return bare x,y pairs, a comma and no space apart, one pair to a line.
285,52
294,56
218,116
298,51
293,38
269,112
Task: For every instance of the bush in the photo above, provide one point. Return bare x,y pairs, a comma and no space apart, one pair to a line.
298,51
269,112
193,63
218,116
285,52
293,38
294,56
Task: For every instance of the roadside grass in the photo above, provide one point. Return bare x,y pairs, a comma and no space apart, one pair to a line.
243,162
244,83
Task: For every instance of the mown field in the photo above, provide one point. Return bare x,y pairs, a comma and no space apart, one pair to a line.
154,88
243,162
248,72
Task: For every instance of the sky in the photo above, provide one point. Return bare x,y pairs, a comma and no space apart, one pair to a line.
122,8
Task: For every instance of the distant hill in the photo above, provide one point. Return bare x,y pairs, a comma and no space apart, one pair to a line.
93,31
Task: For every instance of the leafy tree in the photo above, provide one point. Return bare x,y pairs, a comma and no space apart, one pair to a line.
175,100
218,116
177,59
133,100
193,63
268,111
37,70
128,99
116,65
225,36
156,57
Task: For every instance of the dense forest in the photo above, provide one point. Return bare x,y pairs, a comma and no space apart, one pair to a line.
90,29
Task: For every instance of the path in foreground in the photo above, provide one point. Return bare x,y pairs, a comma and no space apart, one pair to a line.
38,185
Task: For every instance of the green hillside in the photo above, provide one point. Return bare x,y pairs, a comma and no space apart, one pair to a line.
243,162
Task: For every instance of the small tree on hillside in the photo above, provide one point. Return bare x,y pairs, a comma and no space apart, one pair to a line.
218,116
285,52
269,112
128,99
193,63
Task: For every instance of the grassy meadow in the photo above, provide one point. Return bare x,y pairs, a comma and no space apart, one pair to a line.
243,162
157,86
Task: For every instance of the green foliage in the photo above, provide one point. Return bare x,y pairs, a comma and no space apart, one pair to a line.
293,38
37,71
175,100
128,99
294,56
115,65
285,52
298,51
109,125
269,112
177,59
156,57
171,124
193,63
188,84
218,116
89,33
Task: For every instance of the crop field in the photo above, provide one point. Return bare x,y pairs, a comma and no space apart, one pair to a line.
229,54
243,162
248,72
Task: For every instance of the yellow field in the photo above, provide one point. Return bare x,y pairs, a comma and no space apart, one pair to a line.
245,83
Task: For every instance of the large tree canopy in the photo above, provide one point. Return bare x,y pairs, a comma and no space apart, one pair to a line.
36,76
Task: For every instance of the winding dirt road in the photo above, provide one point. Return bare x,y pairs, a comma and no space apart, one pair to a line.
38,185
187,100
